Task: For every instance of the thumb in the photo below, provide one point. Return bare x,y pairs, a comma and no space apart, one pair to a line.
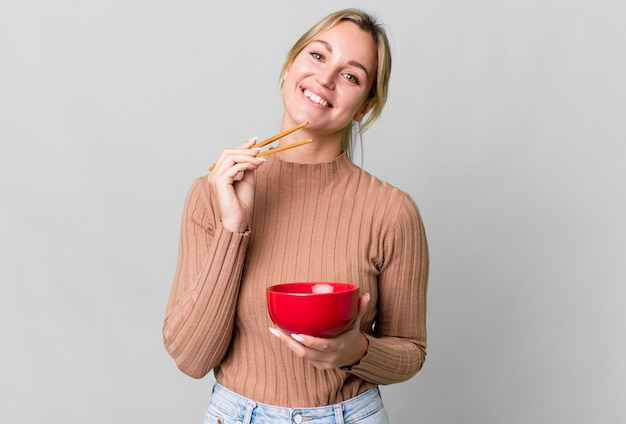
363,302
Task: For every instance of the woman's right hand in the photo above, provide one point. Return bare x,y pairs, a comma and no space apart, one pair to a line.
232,184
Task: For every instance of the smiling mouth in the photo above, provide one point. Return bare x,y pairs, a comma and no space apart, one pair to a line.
316,99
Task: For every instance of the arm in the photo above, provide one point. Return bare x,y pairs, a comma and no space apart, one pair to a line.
397,345
201,308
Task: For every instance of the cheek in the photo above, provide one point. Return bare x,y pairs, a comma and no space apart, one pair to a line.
300,68
290,77
356,101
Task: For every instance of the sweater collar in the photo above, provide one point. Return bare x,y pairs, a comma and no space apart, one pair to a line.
330,171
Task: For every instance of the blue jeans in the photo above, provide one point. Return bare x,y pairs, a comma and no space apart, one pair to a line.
227,407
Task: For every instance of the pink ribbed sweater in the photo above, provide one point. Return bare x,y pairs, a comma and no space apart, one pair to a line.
312,222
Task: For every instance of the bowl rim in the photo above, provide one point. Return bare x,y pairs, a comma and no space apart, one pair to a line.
346,288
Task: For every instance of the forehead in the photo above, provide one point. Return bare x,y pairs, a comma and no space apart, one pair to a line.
348,41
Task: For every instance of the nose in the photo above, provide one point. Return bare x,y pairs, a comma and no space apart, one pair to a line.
326,78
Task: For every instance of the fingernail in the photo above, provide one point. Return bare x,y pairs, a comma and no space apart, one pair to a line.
274,331
262,159
253,139
297,338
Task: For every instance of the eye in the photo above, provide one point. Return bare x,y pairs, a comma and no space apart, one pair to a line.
317,56
352,78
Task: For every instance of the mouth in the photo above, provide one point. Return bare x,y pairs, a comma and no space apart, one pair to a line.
315,98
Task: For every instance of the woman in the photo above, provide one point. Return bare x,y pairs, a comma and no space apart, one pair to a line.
305,214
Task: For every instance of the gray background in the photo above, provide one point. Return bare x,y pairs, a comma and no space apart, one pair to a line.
506,123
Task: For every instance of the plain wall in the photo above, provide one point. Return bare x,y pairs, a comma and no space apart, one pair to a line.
505,122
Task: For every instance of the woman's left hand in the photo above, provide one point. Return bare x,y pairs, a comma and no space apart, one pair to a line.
344,350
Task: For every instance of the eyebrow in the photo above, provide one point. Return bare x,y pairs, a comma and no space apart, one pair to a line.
328,47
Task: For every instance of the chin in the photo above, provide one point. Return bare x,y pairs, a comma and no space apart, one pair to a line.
298,117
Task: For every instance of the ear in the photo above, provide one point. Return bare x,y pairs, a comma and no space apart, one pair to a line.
363,111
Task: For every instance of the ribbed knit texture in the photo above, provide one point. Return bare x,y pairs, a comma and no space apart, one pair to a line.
312,222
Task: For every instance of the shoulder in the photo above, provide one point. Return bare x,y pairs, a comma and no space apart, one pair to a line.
396,214
198,191
390,209
384,193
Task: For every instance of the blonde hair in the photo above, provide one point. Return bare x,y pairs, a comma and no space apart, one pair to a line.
378,93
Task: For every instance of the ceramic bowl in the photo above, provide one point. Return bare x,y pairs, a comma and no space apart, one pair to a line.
320,309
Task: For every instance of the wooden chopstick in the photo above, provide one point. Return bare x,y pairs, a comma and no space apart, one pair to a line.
277,137
281,148
281,135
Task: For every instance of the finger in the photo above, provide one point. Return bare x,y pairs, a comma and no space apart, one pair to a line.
315,350
317,344
283,335
299,343
363,302
238,170
230,165
246,147
231,157
276,333
249,143
297,347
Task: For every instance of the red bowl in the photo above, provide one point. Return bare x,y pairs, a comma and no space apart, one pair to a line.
319,309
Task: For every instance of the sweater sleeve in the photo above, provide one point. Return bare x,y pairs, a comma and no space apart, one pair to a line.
200,312
397,344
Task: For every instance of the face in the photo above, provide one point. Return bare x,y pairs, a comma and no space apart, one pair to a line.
329,81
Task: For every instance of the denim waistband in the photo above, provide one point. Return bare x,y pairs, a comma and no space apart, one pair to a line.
244,410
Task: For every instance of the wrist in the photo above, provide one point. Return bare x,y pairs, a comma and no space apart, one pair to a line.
237,228
362,351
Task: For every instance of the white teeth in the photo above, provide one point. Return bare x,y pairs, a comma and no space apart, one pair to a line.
314,97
